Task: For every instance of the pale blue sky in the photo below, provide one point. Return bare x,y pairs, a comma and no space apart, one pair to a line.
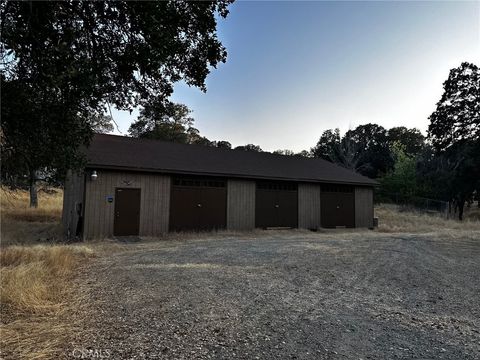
295,69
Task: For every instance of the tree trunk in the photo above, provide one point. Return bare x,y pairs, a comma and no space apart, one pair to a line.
461,204
33,189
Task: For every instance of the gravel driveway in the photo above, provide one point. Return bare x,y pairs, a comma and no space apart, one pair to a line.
288,295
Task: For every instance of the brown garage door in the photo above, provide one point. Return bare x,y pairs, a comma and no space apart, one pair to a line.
276,205
198,204
127,212
337,206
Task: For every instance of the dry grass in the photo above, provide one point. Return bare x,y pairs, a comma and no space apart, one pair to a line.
15,205
32,276
21,232
21,224
472,213
37,297
393,219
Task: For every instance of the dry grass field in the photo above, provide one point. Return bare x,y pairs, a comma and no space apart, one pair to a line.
39,273
37,295
21,224
393,219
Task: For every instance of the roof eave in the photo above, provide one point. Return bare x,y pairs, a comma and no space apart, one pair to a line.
371,183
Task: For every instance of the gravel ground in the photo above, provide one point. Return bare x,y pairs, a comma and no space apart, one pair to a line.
287,295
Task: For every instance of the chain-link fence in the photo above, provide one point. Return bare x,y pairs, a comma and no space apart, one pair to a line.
432,206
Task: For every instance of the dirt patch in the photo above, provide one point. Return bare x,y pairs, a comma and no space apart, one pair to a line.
288,295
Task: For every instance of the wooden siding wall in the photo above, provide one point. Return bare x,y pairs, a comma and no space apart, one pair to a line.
309,206
241,205
154,205
72,195
363,207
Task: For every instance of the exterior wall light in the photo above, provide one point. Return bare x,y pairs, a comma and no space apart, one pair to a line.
94,175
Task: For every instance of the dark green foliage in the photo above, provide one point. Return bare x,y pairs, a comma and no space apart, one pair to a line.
412,139
64,62
371,144
100,123
454,132
165,121
197,139
170,122
365,149
124,52
402,179
457,117
327,145
434,174
37,137
222,144
342,151
452,175
304,153
249,147
284,152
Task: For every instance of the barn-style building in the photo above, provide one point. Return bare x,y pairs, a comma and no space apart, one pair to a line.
146,187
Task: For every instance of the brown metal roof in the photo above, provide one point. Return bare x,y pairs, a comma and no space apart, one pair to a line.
125,153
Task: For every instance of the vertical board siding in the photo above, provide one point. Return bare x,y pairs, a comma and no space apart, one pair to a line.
154,203
363,207
241,205
72,195
309,206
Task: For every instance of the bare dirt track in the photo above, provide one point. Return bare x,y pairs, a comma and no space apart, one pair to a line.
288,295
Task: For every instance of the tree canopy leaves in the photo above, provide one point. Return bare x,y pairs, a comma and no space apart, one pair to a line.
164,121
457,116
327,145
121,52
402,179
454,132
170,122
365,149
38,136
249,147
412,140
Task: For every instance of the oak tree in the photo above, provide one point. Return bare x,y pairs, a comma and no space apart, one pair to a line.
454,131
412,139
457,116
72,59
